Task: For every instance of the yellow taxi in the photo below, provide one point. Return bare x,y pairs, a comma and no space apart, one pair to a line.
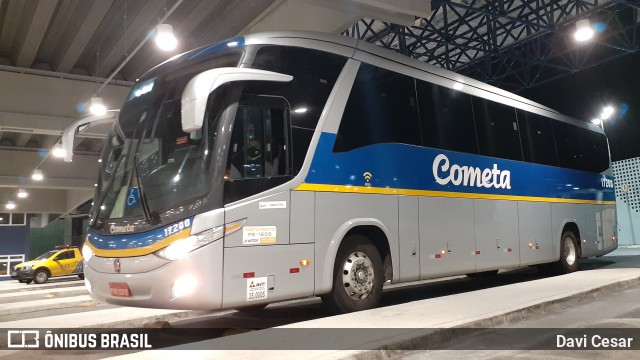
61,261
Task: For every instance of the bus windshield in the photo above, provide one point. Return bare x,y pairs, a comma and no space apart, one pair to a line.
149,162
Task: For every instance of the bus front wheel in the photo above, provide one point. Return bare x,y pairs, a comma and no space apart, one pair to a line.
358,276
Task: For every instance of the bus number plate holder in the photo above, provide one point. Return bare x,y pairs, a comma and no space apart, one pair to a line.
119,289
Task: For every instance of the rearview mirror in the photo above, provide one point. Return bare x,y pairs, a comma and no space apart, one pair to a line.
68,137
196,93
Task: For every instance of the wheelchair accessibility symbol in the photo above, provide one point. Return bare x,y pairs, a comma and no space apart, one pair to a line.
132,198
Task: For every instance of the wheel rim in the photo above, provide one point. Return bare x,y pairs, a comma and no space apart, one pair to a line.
357,275
41,276
569,251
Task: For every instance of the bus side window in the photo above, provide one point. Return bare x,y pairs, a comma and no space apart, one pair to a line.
259,139
538,145
446,118
382,108
497,129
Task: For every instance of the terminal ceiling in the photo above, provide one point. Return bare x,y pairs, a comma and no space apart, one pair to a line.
54,55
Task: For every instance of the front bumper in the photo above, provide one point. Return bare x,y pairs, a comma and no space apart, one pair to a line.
154,288
20,274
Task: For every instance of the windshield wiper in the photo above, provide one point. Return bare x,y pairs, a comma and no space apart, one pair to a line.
151,217
106,190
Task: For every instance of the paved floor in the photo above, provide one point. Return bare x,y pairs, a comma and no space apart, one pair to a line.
415,321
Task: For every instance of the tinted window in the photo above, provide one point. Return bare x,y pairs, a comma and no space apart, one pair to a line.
537,139
314,74
497,128
581,149
258,140
381,109
597,151
446,118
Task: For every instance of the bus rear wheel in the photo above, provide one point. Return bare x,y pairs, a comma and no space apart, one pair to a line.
358,277
569,254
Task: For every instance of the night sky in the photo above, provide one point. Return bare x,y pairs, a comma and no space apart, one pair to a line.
582,95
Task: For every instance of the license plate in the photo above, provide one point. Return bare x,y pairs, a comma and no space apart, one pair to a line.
13,273
119,290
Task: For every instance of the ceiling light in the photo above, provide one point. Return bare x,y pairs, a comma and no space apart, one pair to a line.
97,106
584,31
22,193
37,175
164,37
300,110
58,151
10,205
607,112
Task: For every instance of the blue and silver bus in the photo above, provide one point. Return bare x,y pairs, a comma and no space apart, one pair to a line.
278,166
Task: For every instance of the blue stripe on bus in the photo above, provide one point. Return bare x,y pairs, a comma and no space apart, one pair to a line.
398,166
214,48
122,241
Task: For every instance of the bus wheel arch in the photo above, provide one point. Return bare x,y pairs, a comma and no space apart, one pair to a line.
380,240
358,275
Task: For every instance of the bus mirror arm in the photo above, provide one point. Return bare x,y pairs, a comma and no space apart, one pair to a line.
69,134
196,93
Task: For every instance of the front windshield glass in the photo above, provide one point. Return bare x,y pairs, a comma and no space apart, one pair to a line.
46,255
148,157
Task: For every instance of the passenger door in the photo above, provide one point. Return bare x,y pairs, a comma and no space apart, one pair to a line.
258,160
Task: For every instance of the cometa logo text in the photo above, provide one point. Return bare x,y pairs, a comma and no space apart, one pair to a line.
121,229
444,173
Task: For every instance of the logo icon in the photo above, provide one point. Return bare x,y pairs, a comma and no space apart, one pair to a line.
27,339
116,265
367,179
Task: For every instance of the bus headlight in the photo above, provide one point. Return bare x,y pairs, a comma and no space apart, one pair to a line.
87,253
182,247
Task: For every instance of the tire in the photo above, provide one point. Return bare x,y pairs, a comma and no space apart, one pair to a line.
569,254
483,274
358,277
41,276
81,276
28,281
252,309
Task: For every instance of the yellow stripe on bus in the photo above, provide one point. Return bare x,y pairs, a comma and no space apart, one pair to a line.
431,193
141,251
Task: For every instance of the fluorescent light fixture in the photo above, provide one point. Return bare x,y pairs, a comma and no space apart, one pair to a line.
97,106
607,112
37,175
584,31
22,193
10,205
164,37
300,110
58,151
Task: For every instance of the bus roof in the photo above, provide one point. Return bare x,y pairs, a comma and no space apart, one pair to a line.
362,50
